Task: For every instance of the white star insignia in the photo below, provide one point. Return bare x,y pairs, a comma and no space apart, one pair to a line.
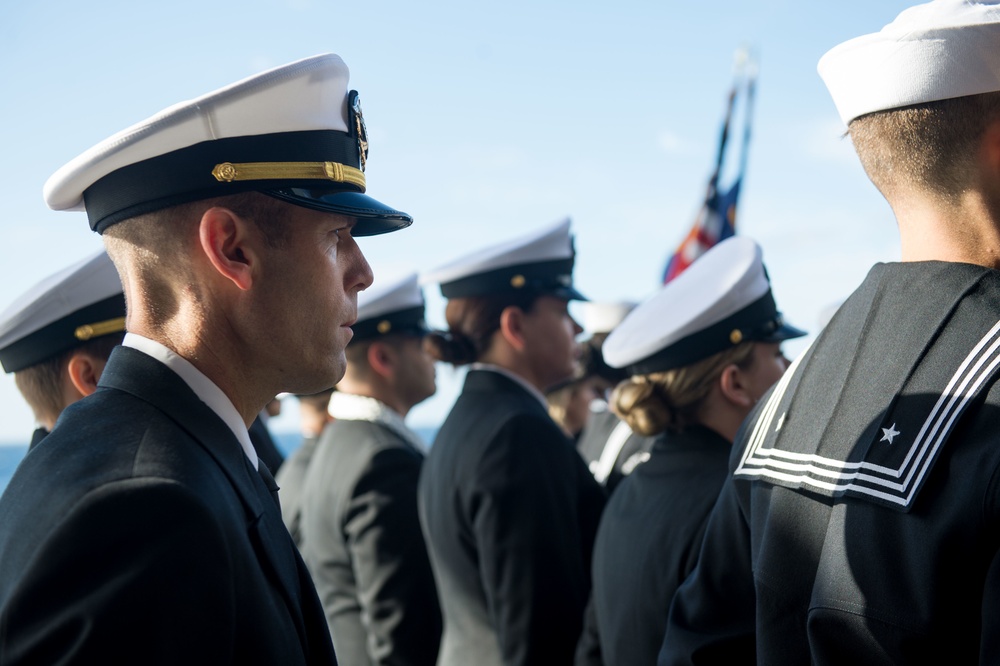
888,434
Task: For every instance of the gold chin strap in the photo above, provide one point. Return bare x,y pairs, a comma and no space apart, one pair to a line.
228,172
88,331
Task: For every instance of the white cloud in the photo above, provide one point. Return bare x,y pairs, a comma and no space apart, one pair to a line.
669,142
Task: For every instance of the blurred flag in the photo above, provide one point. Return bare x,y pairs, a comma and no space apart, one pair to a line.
716,220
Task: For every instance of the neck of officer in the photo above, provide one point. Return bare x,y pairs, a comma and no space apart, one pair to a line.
216,351
507,357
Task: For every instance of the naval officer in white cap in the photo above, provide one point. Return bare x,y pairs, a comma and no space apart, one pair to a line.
699,354
861,524
145,529
56,338
506,503
361,536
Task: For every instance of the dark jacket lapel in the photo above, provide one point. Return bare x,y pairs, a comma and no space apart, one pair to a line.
139,374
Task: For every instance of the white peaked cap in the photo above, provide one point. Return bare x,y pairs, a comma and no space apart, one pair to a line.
604,316
541,261
80,302
294,132
397,306
938,50
724,298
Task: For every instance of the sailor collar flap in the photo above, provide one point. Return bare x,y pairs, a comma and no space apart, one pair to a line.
867,410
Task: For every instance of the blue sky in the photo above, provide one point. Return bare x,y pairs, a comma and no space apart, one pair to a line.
486,120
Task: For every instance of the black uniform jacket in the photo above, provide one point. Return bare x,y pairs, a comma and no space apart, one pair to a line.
37,436
862,523
510,512
362,542
605,437
264,445
648,542
138,532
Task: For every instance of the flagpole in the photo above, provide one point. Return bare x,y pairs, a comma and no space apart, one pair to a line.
716,218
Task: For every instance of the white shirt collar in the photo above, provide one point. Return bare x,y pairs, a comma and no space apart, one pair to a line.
489,367
350,407
203,387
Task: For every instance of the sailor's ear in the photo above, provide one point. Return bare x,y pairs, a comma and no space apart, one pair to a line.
231,244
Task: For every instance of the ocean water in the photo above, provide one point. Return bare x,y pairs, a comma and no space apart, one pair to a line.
10,456
11,453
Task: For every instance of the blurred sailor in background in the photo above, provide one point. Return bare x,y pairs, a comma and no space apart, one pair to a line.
699,354
508,507
610,448
57,337
361,537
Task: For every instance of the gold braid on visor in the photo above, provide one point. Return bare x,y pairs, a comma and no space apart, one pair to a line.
227,172
88,331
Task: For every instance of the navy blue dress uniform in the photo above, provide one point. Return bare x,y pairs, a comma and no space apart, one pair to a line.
647,542
155,540
144,529
862,520
507,505
360,533
651,530
265,446
64,311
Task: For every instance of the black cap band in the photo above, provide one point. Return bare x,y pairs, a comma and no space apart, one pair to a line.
60,336
410,321
188,174
545,277
758,322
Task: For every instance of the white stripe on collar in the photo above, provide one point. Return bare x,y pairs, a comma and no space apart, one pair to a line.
351,407
203,387
489,367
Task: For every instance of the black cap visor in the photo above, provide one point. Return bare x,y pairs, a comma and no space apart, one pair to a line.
781,333
373,216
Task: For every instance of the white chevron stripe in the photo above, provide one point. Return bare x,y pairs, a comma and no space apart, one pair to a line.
803,469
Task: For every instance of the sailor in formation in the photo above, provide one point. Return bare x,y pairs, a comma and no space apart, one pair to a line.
861,521
144,529
508,506
360,533
57,337
700,353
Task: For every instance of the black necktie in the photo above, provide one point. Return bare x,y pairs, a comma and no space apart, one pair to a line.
272,487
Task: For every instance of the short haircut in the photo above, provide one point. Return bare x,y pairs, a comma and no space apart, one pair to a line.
930,147
152,249
41,385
